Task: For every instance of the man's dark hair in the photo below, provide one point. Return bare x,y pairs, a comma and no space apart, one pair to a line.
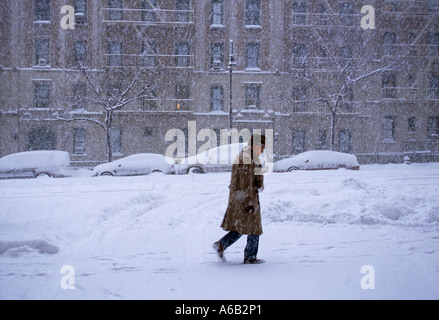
257,140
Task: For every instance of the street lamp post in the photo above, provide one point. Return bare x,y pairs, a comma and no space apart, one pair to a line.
232,64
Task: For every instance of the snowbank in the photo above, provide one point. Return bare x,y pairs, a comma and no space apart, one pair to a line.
150,237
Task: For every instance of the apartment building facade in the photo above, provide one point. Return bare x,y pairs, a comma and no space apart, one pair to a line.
131,70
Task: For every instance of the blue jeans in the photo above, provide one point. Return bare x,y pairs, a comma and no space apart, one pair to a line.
251,249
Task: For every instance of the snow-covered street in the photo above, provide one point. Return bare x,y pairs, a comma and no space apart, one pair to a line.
150,237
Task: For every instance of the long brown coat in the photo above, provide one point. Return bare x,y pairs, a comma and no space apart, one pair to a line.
245,181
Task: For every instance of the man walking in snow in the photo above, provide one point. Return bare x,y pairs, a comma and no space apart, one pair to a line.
243,215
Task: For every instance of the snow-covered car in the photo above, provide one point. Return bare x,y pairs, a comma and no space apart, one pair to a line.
218,159
317,160
33,164
136,165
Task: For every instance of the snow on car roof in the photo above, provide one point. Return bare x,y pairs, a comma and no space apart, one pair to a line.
35,159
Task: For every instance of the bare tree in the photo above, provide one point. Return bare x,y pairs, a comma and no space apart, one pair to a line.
109,92
345,71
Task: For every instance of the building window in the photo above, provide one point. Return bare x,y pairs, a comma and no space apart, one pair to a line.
114,53
252,96
217,56
433,87
433,127
433,42
80,54
412,124
321,144
389,42
434,5
149,131
217,11
388,128
217,100
345,141
299,142
149,102
182,55
323,18
299,99
182,7
79,141
252,55
299,9
42,52
79,96
41,95
42,10
115,10
347,98
41,139
148,54
346,13
183,97
253,12
80,11
300,58
148,13
389,85
116,140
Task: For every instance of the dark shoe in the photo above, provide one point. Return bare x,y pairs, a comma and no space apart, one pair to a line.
219,250
253,261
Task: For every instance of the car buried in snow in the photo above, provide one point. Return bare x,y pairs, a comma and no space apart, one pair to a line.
136,165
218,159
35,164
317,160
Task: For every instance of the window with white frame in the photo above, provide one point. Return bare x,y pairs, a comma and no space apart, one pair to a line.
80,11
115,11
182,13
80,59
42,52
114,53
42,10
299,10
79,141
148,54
346,13
253,12
388,128
433,128
217,11
148,7
300,57
217,56
252,96
252,55
433,86
182,55
79,96
41,95
217,99
116,140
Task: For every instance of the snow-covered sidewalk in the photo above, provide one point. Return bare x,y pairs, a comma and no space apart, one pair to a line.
327,235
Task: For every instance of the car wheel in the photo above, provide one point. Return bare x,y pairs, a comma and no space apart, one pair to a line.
157,171
292,169
107,174
43,175
195,170
341,167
